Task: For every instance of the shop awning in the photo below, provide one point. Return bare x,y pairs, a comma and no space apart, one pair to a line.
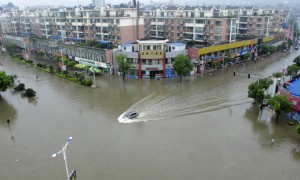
81,66
96,70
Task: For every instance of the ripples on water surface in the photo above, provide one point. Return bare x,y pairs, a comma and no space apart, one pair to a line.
197,96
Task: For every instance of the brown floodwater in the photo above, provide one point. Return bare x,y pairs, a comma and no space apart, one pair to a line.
206,128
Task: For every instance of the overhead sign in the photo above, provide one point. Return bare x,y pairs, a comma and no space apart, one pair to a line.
101,64
92,63
86,61
151,54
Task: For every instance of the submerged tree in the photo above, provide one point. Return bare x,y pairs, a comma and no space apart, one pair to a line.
256,89
292,70
280,103
123,65
5,81
29,93
20,87
182,65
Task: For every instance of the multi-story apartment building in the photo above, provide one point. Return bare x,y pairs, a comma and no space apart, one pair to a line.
150,58
279,16
201,24
127,23
5,25
118,24
254,25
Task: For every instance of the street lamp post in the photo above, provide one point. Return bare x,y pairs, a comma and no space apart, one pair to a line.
64,148
62,59
94,85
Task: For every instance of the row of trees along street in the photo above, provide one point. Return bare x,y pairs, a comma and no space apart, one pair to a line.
279,103
54,67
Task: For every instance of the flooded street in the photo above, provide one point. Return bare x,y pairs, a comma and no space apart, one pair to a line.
206,128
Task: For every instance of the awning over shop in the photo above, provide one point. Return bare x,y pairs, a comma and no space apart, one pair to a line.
96,70
245,51
81,66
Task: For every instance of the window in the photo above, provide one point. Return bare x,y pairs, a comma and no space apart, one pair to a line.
259,25
218,30
199,21
217,37
188,20
149,62
201,14
243,19
259,19
199,37
160,27
199,29
218,23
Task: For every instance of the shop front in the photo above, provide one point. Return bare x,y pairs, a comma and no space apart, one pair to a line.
104,67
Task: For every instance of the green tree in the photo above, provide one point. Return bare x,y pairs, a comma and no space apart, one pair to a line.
182,65
20,87
41,53
264,50
71,64
292,70
255,92
280,103
256,89
272,49
297,61
227,60
11,47
247,55
58,70
123,65
283,46
51,69
277,75
5,81
265,83
290,43
298,128
66,73
29,93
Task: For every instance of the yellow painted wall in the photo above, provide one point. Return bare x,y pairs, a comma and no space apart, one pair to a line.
223,47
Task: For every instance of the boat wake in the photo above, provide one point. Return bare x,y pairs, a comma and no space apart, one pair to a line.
183,101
